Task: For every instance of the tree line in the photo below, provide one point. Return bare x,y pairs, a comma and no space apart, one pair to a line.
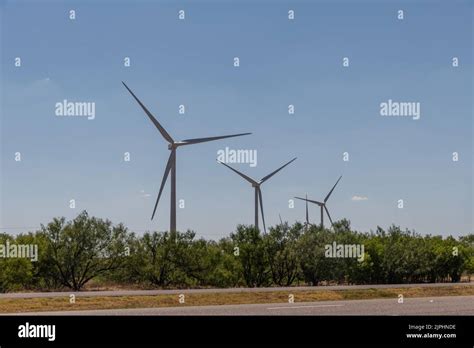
73,253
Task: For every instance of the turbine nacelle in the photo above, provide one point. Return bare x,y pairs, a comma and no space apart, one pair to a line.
175,145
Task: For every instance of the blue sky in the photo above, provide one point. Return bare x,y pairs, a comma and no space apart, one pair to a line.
282,62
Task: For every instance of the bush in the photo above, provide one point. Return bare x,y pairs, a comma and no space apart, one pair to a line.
71,253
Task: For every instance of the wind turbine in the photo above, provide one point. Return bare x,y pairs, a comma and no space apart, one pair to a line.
322,204
171,165
256,186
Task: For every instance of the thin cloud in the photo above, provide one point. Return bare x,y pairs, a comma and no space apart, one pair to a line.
144,194
359,198
37,90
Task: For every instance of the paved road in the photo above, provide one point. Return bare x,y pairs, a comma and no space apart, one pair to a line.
190,291
456,305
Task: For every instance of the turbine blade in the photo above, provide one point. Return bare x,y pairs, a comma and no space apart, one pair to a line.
249,179
203,140
309,200
329,194
157,124
261,209
265,178
329,216
163,181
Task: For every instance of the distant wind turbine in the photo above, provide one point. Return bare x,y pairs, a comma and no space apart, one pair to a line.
322,205
171,165
258,192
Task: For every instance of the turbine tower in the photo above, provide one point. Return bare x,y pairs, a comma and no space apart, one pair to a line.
306,224
256,185
171,165
322,205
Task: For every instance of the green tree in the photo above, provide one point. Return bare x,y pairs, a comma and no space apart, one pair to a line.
282,253
251,255
84,248
315,266
15,273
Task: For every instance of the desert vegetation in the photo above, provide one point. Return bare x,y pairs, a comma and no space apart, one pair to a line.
72,254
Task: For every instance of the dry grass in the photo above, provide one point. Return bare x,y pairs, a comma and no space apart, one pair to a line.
203,299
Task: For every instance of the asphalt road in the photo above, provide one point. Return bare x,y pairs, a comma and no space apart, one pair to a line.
455,305
231,290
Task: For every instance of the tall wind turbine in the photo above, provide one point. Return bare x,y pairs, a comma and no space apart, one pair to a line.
258,192
171,165
322,204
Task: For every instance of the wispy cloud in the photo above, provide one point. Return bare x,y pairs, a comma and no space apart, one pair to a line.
34,90
144,194
359,198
